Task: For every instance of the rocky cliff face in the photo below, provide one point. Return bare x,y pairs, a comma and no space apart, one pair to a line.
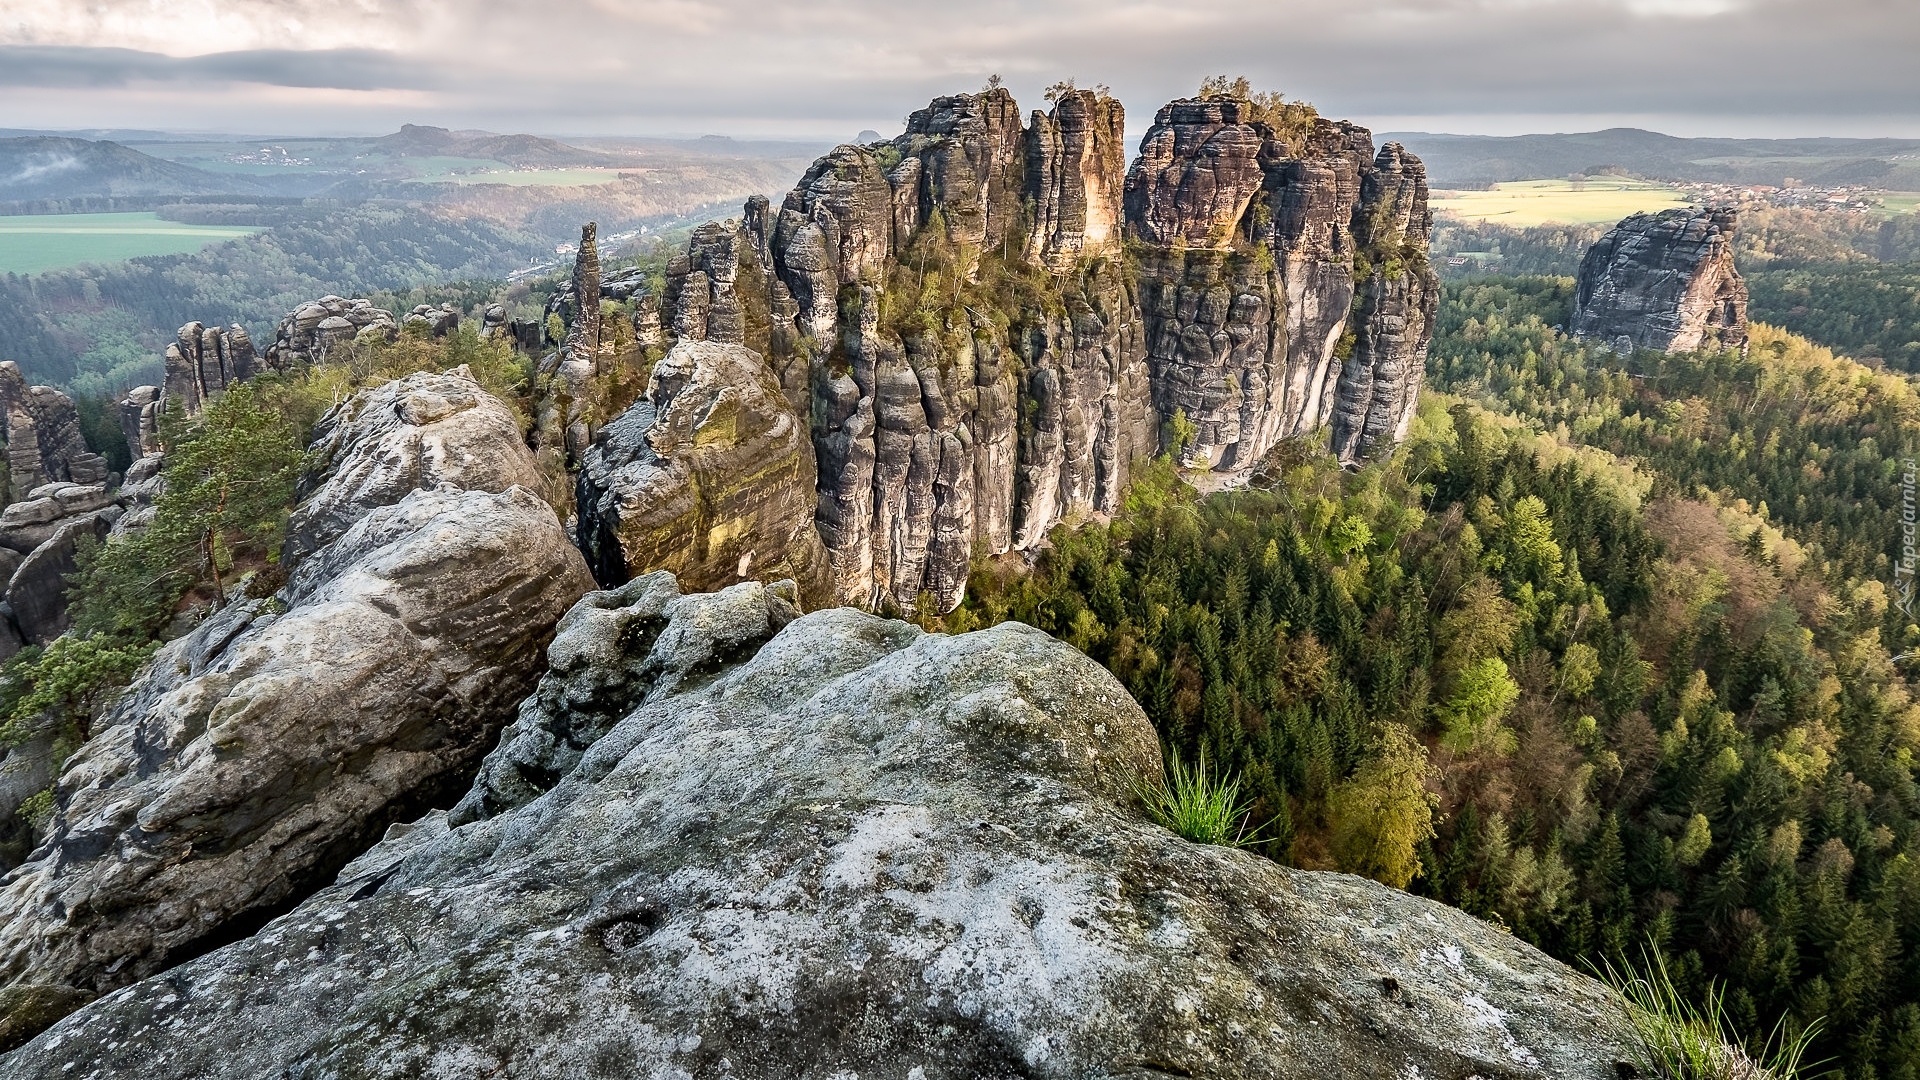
1283,290
970,415
263,750
204,361
1664,281
710,475
43,440
952,311
733,842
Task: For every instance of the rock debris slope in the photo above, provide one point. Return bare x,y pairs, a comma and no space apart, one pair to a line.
262,751
1666,282
837,846
1279,285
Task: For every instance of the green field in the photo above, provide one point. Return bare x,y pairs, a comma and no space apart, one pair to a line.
1901,202
51,241
1526,203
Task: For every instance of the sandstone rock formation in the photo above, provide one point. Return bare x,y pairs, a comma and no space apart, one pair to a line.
984,424
44,444
204,361
259,753
1282,287
1254,255
854,849
426,431
438,321
1666,282
140,411
710,475
39,536
308,332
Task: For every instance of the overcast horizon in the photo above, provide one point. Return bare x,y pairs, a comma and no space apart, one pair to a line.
665,68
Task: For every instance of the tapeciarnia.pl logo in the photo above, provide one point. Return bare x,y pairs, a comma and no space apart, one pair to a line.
1903,571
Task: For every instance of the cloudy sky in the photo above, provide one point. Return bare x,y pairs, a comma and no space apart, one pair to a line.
827,68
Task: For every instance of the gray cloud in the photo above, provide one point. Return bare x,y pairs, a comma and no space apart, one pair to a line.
1795,66
67,66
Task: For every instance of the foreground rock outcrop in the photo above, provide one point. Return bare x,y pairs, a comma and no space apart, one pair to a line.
837,846
710,475
978,363
262,751
1665,282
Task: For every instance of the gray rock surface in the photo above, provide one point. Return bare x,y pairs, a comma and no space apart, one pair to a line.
426,431
205,360
314,328
854,850
262,751
1664,281
38,539
140,411
37,591
1282,287
710,475
43,440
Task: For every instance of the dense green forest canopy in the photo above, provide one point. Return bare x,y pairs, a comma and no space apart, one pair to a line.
1604,653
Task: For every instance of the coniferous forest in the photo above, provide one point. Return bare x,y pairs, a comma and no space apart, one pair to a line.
1608,653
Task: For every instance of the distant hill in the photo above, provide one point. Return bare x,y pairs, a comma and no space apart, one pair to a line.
1471,160
46,166
520,151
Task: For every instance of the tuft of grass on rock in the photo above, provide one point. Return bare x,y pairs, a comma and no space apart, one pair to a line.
1203,806
1685,1040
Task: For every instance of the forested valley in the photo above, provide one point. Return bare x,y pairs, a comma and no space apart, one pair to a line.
1607,653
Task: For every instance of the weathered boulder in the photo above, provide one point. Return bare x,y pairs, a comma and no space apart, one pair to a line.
38,540
436,321
710,475
309,331
855,849
1664,281
37,591
259,753
426,431
613,652
43,439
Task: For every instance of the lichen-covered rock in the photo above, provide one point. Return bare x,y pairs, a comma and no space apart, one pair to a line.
425,431
612,653
710,475
855,849
259,753
1664,281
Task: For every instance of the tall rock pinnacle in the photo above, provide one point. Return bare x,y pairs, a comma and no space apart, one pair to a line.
1664,281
